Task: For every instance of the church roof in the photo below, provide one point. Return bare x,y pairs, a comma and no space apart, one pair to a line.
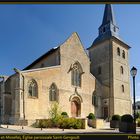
41,57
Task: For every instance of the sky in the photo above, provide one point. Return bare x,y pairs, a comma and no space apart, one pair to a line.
27,31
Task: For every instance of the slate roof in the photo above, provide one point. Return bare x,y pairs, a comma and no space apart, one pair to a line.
41,57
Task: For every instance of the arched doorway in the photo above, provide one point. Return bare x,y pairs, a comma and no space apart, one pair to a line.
75,107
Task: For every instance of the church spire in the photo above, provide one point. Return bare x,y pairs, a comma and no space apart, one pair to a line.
108,15
108,27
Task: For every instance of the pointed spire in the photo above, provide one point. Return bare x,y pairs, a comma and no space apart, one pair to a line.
108,15
108,27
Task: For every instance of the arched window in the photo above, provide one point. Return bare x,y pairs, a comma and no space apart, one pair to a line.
122,88
123,54
121,69
118,51
76,74
33,88
53,93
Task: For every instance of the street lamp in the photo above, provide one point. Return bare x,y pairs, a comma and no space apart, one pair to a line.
133,74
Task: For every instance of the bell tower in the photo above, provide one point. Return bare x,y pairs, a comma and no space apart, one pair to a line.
109,57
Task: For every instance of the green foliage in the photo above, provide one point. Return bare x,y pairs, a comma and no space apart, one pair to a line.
127,118
65,123
138,122
59,120
116,118
54,111
91,116
64,115
137,115
69,123
55,114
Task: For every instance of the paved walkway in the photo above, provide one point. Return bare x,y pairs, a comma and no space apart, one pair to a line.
30,130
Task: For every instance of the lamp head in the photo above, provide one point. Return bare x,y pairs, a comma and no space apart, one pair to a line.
133,72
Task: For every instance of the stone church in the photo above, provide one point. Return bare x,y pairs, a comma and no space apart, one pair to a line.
96,80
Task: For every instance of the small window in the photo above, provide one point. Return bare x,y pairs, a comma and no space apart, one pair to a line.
121,69
33,88
42,65
123,54
99,70
118,51
122,88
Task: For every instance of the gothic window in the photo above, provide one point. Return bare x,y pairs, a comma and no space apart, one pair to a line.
33,88
53,94
123,54
121,69
122,88
76,74
99,70
118,51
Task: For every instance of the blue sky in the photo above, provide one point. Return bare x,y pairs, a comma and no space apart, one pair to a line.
28,31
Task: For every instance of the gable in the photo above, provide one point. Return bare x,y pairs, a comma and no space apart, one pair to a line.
73,47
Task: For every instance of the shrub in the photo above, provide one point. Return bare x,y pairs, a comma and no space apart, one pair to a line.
116,118
91,116
65,123
64,114
68,123
137,115
138,122
127,118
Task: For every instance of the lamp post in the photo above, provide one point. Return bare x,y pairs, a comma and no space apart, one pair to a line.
133,74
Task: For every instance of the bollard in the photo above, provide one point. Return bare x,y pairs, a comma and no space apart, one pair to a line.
7,126
22,127
41,128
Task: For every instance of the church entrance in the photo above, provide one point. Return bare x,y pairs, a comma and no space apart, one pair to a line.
75,107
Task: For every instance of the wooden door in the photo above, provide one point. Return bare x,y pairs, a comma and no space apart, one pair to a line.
74,109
